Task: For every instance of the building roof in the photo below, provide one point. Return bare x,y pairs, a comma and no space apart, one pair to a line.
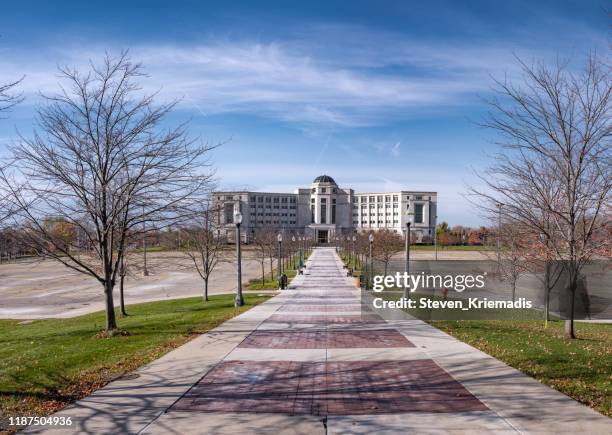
324,179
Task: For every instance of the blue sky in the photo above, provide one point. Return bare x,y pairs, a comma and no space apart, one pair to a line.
380,95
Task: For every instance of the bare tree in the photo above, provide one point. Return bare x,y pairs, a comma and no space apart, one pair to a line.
386,245
267,238
553,175
203,248
9,97
260,243
101,161
511,259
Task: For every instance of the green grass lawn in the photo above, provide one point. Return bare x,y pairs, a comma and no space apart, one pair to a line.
580,368
269,283
46,364
272,284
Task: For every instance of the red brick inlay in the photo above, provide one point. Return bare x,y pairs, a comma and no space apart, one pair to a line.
314,301
325,296
377,338
329,388
324,308
325,319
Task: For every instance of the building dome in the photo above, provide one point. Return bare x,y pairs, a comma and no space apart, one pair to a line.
324,179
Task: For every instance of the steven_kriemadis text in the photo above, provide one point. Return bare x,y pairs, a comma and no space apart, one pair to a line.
470,303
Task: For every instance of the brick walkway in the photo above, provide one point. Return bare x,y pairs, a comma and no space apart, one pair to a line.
330,387
314,360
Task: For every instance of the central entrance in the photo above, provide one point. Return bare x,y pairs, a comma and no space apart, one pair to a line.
322,236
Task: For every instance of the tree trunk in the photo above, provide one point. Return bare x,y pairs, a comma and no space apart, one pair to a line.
206,290
111,321
272,268
121,298
263,274
547,295
569,323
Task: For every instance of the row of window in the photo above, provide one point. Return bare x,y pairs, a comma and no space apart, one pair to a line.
380,205
395,222
388,198
273,199
276,222
272,214
374,214
323,190
284,207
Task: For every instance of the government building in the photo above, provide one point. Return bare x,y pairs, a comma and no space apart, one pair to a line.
324,211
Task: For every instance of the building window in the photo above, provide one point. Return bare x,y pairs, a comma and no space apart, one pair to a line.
312,213
333,212
323,190
229,213
418,213
323,213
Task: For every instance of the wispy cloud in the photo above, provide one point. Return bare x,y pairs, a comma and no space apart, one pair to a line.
383,78
395,149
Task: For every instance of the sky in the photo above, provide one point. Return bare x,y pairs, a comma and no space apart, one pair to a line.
382,96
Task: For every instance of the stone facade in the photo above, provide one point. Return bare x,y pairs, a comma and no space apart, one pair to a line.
324,211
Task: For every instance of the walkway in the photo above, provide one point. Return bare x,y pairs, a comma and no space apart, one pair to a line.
313,360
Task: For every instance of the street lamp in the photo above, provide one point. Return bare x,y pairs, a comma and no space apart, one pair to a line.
371,240
301,255
353,250
293,252
145,271
499,212
239,300
279,238
436,236
407,265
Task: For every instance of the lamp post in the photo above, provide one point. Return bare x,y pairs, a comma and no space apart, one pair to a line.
499,211
371,240
353,250
407,265
279,238
239,300
436,236
293,252
300,255
145,271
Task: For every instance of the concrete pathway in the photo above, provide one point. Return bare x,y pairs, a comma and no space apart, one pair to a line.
315,360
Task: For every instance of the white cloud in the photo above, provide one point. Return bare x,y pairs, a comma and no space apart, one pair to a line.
380,79
395,149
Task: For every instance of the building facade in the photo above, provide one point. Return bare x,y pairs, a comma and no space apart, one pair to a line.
325,211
